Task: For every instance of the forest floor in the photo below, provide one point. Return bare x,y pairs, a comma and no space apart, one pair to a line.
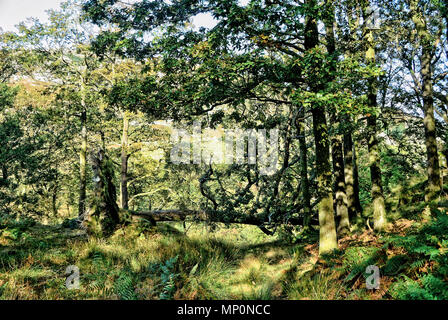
237,262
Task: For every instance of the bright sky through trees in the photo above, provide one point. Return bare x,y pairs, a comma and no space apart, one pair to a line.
12,12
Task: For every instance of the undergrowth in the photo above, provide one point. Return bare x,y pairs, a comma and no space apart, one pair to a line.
171,262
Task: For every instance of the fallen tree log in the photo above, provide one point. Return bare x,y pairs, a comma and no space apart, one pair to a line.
182,215
170,215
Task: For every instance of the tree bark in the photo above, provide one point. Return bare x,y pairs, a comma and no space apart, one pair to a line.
434,183
83,165
343,222
340,186
304,182
433,168
104,212
4,173
351,178
379,210
351,166
54,198
356,181
124,195
327,229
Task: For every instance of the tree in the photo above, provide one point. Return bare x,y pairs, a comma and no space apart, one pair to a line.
76,75
343,226
327,239
420,54
427,41
379,210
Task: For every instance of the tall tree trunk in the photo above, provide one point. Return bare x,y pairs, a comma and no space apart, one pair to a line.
54,198
82,165
104,213
327,229
356,181
379,210
434,182
305,184
351,177
336,139
4,173
124,195
351,166
340,185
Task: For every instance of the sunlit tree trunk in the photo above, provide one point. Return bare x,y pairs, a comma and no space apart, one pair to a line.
304,182
83,165
379,210
351,177
336,139
124,195
433,169
327,229
356,180
351,165
340,186
54,198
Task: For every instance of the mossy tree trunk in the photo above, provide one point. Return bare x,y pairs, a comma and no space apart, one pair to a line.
356,180
343,222
327,228
83,165
350,161
340,186
351,178
54,199
104,212
379,210
124,195
304,182
427,52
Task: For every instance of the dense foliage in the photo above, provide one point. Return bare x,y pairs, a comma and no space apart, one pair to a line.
91,102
